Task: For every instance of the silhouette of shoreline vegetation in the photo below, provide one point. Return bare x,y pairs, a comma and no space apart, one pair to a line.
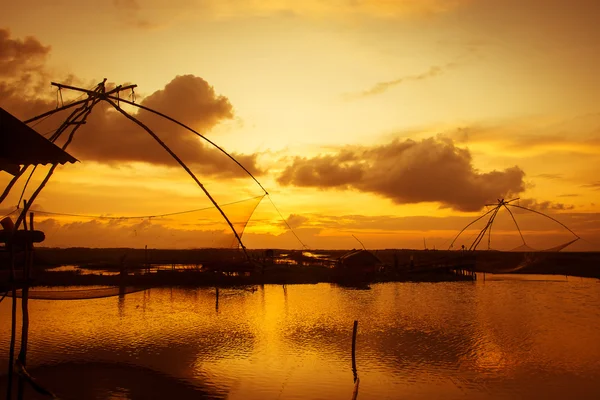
228,267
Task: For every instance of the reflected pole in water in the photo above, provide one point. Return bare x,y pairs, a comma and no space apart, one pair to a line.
11,351
356,380
217,299
121,301
354,330
22,357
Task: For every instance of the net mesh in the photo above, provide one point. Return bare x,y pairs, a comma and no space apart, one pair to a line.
78,293
523,231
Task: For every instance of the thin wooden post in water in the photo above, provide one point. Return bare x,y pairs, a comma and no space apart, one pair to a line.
13,333
356,380
354,330
28,250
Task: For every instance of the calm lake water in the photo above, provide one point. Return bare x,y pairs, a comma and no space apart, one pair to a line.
505,338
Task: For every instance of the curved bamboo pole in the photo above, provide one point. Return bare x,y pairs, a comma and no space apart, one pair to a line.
490,229
193,131
481,233
465,228
286,223
12,182
76,103
547,216
184,166
515,221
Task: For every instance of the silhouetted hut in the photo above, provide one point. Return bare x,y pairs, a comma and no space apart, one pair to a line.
359,261
21,145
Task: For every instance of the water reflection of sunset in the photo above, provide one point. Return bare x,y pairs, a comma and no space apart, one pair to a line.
416,340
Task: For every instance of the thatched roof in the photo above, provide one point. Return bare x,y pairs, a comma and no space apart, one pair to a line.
21,145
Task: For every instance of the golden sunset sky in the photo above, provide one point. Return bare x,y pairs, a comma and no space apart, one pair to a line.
394,121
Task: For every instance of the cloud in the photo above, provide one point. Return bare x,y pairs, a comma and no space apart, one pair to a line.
191,99
127,4
549,176
152,14
326,232
384,9
382,87
108,137
544,206
430,170
594,185
22,73
115,233
569,195
295,221
129,12
531,136
20,55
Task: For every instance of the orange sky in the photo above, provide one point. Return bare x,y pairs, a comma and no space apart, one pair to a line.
393,121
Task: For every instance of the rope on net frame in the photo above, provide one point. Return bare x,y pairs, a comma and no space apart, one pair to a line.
152,216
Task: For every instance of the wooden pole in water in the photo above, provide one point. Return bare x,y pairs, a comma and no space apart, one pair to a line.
354,331
356,380
22,357
13,333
